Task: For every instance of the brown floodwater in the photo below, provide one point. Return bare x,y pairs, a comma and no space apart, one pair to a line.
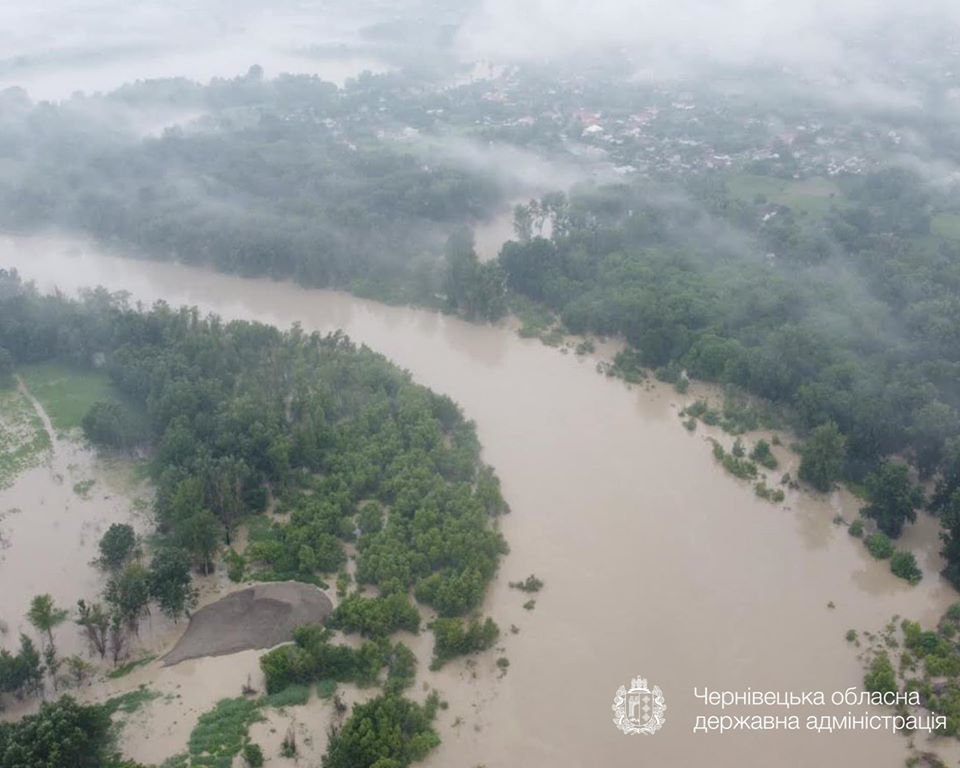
51,529
656,563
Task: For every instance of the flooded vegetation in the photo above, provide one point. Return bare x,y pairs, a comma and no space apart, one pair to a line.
769,585
466,383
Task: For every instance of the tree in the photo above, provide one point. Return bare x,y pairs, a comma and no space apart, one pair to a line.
170,583
22,673
128,594
454,637
949,481
95,623
904,565
880,677
950,517
388,732
63,733
45,616
199,535
822,456
893,498
117,546
118,637
113,425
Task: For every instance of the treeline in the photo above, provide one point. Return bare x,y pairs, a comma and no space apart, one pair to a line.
847,320
63,733
240,418
850,317
241,412
314,658
269,186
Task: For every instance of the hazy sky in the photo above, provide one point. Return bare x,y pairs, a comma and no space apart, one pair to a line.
812,36
56,46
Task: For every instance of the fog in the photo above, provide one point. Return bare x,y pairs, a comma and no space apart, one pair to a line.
812,36
54,49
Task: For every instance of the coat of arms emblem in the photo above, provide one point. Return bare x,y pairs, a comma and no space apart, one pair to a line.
639,710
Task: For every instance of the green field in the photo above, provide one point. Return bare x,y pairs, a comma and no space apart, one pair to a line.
946,225
811,196
67,392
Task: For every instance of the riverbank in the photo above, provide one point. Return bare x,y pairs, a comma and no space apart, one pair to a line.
677,572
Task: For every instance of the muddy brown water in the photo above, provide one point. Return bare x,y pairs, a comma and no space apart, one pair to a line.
51,532
656,563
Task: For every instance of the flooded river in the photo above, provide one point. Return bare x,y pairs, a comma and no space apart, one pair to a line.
656,563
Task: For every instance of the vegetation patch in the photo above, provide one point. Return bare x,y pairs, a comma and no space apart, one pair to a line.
125,669
67,392
221,733
130,702
23,440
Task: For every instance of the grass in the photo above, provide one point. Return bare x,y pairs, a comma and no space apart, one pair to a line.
220,734
126,669
67,392
805,196
291,696
326,688
23,439
130,702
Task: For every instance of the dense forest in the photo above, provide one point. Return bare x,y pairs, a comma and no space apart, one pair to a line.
242,421
847,318
271,187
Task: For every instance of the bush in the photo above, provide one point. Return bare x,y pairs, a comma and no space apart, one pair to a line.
313,657
529,584
880,546
880,676
113,425
454,637
387,731
253,755
117,546
762,454
856,528
236,565
376,616
904,565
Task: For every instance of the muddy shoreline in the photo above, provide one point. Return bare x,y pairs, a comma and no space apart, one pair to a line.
679,573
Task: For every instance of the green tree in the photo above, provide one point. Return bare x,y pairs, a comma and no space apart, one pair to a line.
95,623
880,676
893,498
950,518
117,546
63,733
128,594
45,616
822,457
22,673
904,565
387,732
170,582
199,534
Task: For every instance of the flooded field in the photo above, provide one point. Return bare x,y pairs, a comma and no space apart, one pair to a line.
51,518
656,563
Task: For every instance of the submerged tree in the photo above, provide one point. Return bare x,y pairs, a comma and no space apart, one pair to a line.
45,616
893,498
95,623
117,546
822,456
